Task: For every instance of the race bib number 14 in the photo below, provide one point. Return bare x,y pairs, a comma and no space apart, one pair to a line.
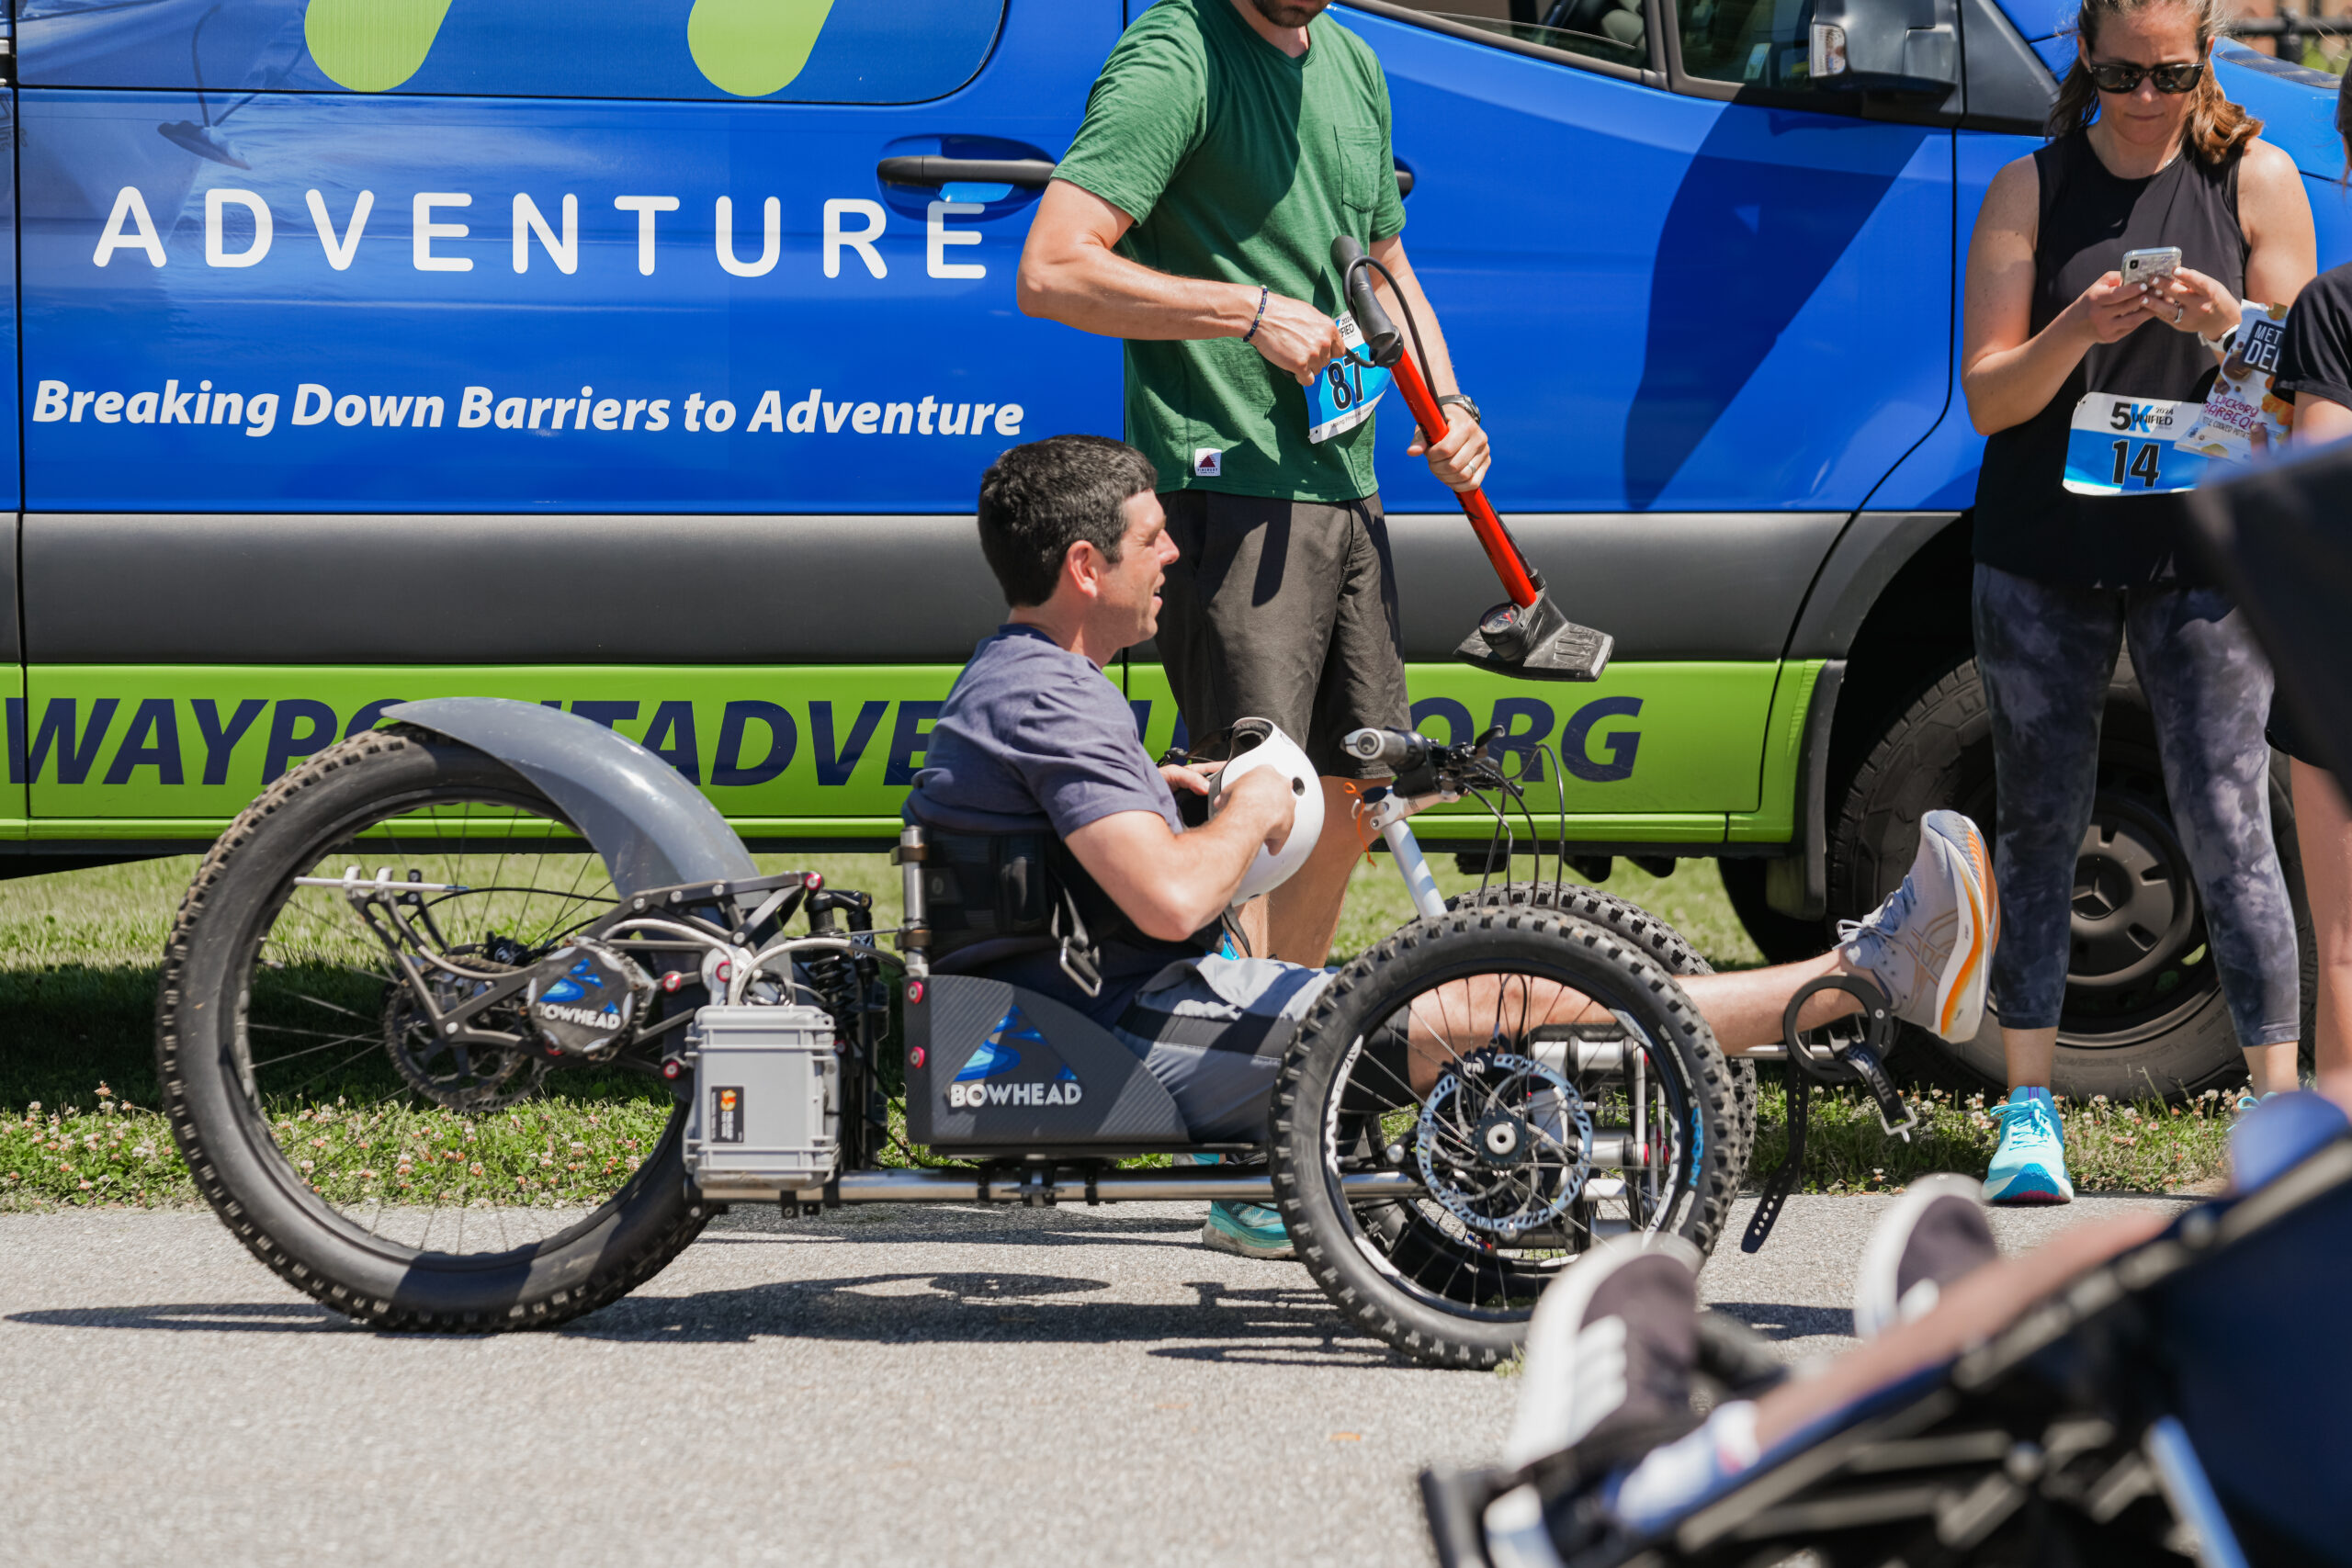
2119,445
1342,396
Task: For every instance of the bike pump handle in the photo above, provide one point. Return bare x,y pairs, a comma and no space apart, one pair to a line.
1387,349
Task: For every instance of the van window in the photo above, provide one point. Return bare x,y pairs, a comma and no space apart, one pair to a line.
1748,43
1613,30
846,51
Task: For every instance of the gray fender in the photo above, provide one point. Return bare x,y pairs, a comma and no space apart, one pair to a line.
652,828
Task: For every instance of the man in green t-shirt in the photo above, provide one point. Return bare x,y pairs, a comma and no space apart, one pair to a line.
1227,144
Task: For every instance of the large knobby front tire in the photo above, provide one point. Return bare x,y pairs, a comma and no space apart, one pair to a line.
231,1118
1646,934
1404,1271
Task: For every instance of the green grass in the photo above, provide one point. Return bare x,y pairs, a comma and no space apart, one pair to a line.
78,954
2109,1148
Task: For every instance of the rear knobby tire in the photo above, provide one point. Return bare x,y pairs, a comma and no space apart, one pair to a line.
1358,1254
239,890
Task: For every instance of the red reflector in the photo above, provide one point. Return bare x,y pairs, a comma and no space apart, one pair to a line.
914,1056
813,880
914,991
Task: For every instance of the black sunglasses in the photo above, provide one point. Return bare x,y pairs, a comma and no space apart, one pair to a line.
2123,76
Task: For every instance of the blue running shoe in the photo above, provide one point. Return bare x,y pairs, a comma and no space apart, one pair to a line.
1247,1230
2031,1165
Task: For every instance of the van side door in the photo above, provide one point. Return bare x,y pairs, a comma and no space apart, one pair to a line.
601,354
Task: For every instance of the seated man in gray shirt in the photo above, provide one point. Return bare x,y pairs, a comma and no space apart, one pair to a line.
1035,739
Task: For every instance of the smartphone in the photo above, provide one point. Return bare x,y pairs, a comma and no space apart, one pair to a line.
2146,267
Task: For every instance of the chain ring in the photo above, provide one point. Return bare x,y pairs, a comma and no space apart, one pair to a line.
480,1079
1473,1205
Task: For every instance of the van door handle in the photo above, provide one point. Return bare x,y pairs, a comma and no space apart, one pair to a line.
930,169
1403,181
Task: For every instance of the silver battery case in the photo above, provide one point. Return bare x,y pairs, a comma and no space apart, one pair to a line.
766,1118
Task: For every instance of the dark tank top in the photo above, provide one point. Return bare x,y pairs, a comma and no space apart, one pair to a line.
2027,521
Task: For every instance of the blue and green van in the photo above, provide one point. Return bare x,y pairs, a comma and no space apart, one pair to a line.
640,358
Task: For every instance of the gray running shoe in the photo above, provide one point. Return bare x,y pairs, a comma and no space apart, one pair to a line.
1614,1339
1929,946
1935,1233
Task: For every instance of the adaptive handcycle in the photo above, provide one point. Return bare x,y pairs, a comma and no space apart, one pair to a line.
474,1021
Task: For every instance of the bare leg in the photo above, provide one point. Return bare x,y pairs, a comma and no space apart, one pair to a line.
2031,1052
2273,1069
1742,1007
1296,921
2323,827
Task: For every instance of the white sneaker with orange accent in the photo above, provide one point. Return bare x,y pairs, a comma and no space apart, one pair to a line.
1929,946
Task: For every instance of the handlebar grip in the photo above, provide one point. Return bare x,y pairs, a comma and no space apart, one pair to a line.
1390,747
1381,339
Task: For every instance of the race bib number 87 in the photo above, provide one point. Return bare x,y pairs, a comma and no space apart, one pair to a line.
2119,445
1343,396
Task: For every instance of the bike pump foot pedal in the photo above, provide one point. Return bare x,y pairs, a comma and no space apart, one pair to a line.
1536,641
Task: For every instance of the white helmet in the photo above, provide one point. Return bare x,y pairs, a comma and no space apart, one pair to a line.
1256,744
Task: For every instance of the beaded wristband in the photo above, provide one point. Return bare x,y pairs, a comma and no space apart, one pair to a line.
1258,320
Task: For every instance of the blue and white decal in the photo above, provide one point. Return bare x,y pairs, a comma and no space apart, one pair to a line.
2123,445
989,1076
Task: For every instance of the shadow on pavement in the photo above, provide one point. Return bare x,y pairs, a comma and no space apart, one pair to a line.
1777,1320
1290,1325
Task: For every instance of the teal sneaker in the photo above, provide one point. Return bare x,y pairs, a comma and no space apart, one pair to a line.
2031,1165
1247,1230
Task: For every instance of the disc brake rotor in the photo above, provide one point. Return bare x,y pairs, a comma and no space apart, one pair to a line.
1505,1142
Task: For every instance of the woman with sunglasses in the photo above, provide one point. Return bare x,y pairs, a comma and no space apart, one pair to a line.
2145,154
2315,369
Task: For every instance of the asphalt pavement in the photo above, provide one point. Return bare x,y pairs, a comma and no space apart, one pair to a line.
946,1386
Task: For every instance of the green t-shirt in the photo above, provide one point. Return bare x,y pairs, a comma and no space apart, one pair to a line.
1240,163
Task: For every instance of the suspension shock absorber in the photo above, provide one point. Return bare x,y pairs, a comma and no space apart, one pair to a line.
850,988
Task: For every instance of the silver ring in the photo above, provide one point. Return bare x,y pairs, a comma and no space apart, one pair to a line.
2178,311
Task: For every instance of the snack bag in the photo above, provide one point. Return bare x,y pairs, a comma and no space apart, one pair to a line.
2243,419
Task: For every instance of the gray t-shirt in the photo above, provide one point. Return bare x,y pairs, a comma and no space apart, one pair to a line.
1035,737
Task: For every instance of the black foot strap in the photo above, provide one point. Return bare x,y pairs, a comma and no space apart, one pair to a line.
1859,1061
1783,1182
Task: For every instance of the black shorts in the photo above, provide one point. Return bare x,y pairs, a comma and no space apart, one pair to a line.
1284,610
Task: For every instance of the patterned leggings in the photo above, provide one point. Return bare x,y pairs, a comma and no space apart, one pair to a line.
2046,654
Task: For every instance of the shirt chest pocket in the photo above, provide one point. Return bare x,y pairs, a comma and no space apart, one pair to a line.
1358,152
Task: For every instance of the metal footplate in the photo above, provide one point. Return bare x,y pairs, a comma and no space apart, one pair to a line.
1861,1060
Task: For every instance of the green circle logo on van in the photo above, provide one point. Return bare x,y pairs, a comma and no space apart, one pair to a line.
373,46
746,48
753,48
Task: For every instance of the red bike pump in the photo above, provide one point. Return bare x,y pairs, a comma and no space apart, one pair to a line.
1526,635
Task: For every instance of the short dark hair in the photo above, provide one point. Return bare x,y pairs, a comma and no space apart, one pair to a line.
1038,500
